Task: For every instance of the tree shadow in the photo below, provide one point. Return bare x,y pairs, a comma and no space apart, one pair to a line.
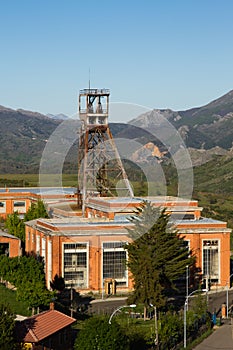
69,301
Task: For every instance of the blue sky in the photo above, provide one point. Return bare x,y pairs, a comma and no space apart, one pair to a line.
174,54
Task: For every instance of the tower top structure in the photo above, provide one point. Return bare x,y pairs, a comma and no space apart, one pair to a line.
94,106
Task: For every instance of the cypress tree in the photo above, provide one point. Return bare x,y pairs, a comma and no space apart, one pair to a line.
157,257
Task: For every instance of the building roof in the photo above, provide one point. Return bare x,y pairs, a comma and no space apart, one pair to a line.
164,201
7,235
104,227
41,326
38,190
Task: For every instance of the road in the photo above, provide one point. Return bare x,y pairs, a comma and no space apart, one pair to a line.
108,305
216,299
220,339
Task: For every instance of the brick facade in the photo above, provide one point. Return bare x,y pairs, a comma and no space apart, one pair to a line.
9,245
101,229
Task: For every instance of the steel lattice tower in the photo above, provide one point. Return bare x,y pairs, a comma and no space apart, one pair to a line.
100,169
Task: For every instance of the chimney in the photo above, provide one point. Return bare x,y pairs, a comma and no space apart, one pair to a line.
51,306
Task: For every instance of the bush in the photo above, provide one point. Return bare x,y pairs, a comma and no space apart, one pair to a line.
97,333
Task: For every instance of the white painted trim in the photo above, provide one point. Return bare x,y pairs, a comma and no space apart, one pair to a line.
75,250
49,263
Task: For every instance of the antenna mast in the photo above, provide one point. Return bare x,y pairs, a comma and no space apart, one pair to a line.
89,83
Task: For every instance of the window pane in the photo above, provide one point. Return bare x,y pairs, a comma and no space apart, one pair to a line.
19,204
211,260
75,265
114,264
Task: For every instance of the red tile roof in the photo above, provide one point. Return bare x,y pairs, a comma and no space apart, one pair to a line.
41,326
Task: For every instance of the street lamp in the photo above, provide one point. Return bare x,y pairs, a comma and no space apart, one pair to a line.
197,290
156,326
185,310
118,309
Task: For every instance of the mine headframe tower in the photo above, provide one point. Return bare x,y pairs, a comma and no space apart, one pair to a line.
100,169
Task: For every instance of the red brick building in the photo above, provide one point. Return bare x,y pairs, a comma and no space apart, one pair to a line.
47,330
11,202
9,244
20,199
89,252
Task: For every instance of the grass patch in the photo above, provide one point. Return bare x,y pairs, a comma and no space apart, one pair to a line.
216,206
18,180
9,296
33,180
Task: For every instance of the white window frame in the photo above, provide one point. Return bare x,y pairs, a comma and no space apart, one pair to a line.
37,244
20,209
212,247
49,262
114,249
3,208
75,250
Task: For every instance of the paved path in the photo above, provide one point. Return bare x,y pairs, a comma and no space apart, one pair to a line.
220,339
106,306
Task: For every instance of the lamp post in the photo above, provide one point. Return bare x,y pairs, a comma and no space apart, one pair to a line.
187,281
185,323
118,309
156,326
185,311
227,292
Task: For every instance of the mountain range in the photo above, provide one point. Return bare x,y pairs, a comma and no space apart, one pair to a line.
201,128
59,116
206,131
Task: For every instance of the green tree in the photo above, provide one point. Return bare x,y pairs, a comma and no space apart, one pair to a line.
98,334
7,325
37,210
27,275
171,327
199,304
29,278
34,293
19,269
197,314
157,257
15,226
145,216
58,283
4,266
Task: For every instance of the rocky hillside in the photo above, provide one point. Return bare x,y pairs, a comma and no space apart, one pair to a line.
206,127
147,154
